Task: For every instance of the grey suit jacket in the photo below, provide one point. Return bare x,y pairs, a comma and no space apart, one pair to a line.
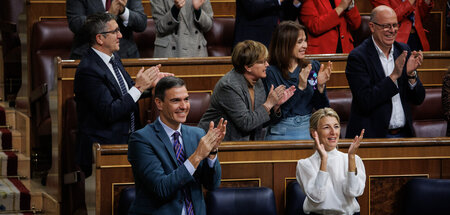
182,37
78,10
231,100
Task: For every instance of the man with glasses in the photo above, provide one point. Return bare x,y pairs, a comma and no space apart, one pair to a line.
130,18
382,76
411,14
106,97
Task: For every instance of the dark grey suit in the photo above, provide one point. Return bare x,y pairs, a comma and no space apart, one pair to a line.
78,10
231,101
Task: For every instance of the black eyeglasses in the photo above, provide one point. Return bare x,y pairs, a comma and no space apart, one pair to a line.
387,27
115,31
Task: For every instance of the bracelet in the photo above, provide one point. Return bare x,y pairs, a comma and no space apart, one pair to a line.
214,152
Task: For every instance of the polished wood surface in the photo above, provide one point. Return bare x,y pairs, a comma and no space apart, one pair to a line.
389,163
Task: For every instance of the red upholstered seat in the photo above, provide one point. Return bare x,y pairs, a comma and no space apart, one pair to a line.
428,118
341,102
220,37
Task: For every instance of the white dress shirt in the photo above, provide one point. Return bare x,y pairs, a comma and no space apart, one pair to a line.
333,191
398,119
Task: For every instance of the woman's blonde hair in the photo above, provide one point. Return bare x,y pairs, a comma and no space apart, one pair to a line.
319,114
246,53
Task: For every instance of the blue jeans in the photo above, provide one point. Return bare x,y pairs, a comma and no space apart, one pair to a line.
291,128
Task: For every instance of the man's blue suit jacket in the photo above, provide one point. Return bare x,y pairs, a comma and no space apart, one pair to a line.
372,91
159,179
104,114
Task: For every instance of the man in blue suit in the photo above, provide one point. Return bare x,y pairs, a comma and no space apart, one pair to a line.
106,96
382,76
172,161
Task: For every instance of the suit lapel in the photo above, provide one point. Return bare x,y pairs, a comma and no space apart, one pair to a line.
189,146
374,59
104,68
97,4
161,133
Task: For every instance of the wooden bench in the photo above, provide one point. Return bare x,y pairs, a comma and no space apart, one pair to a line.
201,75
389,164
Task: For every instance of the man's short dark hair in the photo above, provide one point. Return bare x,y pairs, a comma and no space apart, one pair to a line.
95,24
165,84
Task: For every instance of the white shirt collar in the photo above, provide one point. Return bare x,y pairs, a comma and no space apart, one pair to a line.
380,52
106,58
169,131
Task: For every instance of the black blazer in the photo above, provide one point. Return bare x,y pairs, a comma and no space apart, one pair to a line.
78,10
372,91
257,19
103,112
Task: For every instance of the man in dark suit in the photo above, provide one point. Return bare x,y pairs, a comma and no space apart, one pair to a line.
257,19
382,76
172,161
131,17
104,92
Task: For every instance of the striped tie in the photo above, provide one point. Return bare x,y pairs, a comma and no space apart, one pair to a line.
107,4
180,160
123,89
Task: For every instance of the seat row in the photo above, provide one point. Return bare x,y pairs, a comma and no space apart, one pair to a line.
261,200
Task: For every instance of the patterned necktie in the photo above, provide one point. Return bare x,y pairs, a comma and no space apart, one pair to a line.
123,89
180,160
107,4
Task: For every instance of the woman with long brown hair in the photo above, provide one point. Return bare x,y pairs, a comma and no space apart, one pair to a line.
289,67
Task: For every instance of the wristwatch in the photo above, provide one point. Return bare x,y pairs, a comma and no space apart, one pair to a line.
413,76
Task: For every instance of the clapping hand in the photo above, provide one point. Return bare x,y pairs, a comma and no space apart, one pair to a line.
323,76
303,77
179,3
398,68
197,4
414,61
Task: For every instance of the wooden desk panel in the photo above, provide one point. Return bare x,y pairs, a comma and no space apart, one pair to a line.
389,163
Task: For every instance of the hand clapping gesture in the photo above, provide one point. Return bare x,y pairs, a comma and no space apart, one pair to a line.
303,77
179,3
399,64
117,7
208,142
414,61
352,151
322,152
197,4
323,76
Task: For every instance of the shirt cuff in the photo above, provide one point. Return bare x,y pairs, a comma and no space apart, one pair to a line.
135,93
211,162
189,167
352,179
279,2
321,179
125,16
297,5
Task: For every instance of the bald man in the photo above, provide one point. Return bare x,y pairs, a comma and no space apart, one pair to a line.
382,77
